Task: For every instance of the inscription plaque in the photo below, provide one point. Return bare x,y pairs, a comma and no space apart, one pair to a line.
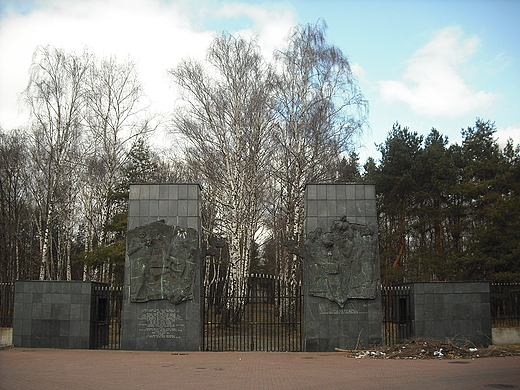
325,310
161,323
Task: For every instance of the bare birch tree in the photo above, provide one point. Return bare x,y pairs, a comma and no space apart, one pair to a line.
16,224
55,96
319,110
113,107
227,124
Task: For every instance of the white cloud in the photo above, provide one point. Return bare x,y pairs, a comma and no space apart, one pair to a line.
504,134
154,33
433,82
357,70
270,24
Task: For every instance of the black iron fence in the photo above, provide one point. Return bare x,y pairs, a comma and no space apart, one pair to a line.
270,319
6,305
99,316
397,314
505,305
108,314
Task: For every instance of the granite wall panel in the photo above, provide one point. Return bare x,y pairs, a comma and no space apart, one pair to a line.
358,323
457,311
161,324
56,314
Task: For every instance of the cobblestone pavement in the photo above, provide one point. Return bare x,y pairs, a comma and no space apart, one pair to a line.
24,368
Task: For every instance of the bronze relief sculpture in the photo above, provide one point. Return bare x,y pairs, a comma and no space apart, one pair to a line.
163,262
342,262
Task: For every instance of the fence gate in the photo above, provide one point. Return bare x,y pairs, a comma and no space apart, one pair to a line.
271,317
107,303
397,314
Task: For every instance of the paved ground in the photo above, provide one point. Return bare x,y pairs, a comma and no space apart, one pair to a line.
24,368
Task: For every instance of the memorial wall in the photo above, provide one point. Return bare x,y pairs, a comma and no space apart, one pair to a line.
342,282
161,309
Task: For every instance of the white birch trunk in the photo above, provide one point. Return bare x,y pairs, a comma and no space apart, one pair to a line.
44,266
69,265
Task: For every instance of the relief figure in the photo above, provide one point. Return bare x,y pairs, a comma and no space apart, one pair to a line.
163,260
342,262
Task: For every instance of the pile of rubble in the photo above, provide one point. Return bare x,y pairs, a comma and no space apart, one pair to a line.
429,349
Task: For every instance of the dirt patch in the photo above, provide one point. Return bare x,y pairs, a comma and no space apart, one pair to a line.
428,349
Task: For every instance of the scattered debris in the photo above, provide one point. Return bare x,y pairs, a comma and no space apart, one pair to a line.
429,349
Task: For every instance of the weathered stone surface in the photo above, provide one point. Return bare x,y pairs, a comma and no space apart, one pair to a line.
342,262
163,261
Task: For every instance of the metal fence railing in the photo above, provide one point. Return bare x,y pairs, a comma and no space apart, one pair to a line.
270,320
397,314
115,318
505,305
6,305
107,318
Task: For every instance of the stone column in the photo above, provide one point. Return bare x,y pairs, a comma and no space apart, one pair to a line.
162,304
342,280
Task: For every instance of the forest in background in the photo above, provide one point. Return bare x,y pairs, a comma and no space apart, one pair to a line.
252,133
448,211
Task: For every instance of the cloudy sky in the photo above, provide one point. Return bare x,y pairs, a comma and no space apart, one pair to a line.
422,63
